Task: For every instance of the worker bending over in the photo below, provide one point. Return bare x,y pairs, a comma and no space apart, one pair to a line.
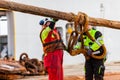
94,68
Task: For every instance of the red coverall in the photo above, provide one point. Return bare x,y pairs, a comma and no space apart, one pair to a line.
53,50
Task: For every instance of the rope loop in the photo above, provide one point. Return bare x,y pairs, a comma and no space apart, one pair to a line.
81,26
81,22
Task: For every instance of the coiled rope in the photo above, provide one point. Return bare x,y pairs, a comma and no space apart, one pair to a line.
81,25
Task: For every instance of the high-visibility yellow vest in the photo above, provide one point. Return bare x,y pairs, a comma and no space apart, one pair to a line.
94,45
88,43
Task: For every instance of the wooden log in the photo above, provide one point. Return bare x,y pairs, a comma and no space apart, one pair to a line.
55,14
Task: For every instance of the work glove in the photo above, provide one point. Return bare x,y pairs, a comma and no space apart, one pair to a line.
89,52
55,20
77,46
52,23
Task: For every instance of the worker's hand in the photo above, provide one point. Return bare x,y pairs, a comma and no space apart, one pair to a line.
66,49
89,52
52,25
55,20
77,46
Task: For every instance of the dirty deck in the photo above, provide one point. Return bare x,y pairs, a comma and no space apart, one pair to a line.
76,72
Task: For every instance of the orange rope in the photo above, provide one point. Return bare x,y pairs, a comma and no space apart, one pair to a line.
81,25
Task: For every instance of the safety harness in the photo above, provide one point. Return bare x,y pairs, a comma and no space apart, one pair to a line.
52,41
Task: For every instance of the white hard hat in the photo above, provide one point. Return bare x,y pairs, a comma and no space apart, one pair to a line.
44,21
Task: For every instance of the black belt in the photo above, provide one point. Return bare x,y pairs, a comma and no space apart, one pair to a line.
51,42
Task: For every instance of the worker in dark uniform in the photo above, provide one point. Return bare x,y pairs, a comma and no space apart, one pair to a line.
94,68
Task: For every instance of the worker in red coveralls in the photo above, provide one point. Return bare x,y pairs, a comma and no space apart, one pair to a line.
53,48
